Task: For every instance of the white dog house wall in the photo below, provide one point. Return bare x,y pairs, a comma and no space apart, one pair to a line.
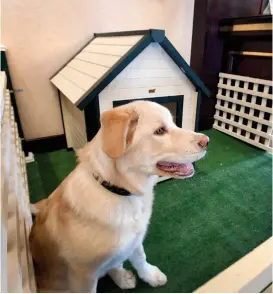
116,68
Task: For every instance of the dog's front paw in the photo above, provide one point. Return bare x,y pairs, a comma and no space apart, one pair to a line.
152,275
123,278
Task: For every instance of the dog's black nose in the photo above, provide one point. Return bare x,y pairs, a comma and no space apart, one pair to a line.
203,141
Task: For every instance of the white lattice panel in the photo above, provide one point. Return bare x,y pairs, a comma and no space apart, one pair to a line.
244,109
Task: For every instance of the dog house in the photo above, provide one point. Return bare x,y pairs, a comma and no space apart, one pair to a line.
116,68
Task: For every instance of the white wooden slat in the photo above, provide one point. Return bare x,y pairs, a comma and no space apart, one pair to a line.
244,90
228,95
261,116
244,115
266,91
118,50
117,40
123,94
189,111
147,70
68,134
233,108
82,80
77,129
154,57
124,83
2,93
245,79
15,273
77,134
74,122
14,262
71,91
259,145
153,52
25,220
242,110
5,172
251,112
240,102
91,69
22,215
106,60
145,63
31,283
23,254
218,102
3,238
226,104
219,89
74,112
142,73
243,127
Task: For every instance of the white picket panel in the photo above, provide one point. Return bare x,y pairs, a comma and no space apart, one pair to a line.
17,273
244,109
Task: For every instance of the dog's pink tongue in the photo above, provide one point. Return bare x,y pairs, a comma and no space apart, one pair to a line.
181,168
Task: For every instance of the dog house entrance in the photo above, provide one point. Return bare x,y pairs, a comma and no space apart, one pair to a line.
173,103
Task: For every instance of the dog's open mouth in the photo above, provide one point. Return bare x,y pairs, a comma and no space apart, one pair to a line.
176,169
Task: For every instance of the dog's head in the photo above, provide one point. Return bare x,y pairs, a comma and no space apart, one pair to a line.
142,137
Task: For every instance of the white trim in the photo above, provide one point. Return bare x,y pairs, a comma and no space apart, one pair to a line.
259,145
244,115
250,274
245,79
17,273
243,127
245,91
243,103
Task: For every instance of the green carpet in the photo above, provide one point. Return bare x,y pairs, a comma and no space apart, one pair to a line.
199,226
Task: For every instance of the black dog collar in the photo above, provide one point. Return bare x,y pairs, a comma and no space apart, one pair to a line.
114,189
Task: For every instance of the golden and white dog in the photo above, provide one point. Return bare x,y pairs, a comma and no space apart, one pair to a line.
83,231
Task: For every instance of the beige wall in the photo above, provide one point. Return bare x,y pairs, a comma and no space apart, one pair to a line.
42,35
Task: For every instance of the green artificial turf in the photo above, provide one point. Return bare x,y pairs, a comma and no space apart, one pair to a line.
200,225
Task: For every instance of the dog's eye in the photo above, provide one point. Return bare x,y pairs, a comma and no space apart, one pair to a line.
160,131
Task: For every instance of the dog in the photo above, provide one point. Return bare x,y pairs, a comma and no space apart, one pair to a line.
98,216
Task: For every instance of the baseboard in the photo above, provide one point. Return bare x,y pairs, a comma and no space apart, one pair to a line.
45,144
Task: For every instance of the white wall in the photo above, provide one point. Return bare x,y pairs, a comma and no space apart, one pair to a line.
178,23
42,35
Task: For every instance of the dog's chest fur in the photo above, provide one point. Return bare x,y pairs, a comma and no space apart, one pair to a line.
131,226
115,225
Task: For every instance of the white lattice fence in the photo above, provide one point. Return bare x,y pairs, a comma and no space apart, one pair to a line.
244,109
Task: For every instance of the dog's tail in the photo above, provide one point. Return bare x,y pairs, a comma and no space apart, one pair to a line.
35,208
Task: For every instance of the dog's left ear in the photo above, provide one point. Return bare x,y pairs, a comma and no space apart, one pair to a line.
118,127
